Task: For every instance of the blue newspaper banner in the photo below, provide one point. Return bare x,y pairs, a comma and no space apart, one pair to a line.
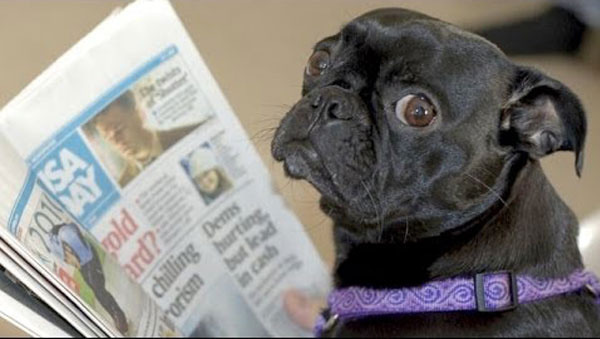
71,174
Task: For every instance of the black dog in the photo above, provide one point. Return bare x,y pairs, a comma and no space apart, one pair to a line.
424,142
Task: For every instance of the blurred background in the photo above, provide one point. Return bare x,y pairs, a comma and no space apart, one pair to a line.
257,51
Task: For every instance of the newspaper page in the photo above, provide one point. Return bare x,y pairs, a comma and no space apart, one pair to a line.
130,138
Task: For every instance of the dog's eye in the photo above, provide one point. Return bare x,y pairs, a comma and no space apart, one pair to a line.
415,110
317,63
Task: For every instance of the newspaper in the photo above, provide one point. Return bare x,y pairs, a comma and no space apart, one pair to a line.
131,186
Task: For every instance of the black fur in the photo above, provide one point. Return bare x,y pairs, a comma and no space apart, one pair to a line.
462,196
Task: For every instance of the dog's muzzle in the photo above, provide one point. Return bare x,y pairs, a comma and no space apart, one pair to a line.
319,111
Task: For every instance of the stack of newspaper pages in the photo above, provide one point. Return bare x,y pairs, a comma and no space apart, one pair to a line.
133,202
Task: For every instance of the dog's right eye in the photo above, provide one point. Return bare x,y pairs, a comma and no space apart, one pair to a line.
317,63
415,110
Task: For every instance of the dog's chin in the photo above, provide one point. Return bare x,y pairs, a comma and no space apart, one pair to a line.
360,224
354,210
303,163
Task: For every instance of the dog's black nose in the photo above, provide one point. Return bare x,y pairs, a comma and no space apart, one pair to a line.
330,105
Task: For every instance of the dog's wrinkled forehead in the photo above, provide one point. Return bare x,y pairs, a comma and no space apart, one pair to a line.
387,46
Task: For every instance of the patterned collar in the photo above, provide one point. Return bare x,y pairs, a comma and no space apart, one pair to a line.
486,292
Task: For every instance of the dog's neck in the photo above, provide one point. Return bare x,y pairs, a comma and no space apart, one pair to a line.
535,235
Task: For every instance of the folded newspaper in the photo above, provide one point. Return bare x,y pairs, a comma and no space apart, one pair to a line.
134,204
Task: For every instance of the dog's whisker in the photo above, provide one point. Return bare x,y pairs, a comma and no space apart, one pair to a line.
288,182
376,208
277,105
405,231
381,214
488,188
267,131
264,134
382,218
321,221
268,122
487,171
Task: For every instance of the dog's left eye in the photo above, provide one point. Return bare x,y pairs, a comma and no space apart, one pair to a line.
317,63
415,110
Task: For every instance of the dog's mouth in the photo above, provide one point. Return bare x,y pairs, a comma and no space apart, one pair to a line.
302,162
342,198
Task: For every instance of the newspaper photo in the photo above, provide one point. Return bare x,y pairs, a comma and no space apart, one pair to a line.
136,186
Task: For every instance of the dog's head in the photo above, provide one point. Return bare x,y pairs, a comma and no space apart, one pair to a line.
405,118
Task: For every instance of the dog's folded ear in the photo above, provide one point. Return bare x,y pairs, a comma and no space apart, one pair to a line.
542,116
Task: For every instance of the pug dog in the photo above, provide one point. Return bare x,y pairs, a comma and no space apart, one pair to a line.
424,142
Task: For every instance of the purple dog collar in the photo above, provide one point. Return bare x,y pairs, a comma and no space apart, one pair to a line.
487,292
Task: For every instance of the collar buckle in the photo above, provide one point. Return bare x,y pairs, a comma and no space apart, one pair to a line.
480,292
331,322
592,290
